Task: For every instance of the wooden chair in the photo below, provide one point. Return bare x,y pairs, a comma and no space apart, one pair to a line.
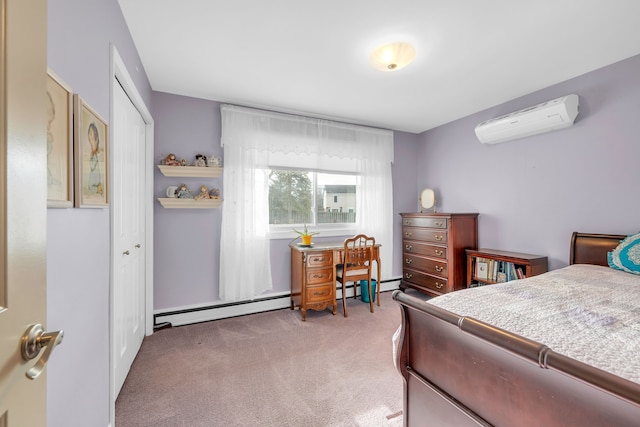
357,260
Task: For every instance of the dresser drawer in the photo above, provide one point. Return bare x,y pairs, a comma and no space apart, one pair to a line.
425,222
320,293
436,284
426,265
321,259
428,250
425,234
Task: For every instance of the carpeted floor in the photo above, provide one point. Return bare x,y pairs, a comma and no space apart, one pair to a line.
269,369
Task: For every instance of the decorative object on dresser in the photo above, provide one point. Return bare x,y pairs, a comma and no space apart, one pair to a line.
488,266
427,200
433,247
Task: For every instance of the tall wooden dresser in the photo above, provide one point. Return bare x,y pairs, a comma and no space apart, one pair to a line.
433,250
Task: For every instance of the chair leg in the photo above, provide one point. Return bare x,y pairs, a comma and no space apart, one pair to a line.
370,296
344,300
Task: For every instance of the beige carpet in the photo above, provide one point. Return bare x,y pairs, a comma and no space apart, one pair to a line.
269,369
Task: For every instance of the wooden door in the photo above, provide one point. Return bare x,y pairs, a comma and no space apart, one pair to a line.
23,201
128,147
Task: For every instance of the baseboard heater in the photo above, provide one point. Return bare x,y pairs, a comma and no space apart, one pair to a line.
180,317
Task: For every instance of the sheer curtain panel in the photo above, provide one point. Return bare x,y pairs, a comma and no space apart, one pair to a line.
255,140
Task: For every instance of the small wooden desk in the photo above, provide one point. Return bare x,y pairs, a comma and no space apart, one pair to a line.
313,275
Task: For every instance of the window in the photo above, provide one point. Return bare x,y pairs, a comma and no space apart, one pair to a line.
314,198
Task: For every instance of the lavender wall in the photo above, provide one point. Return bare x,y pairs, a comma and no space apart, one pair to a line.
187,242
80,33
533,193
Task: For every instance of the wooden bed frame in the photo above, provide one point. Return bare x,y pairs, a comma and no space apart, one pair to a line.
459,371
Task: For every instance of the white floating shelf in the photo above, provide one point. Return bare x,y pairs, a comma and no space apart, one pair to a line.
191,171
173,203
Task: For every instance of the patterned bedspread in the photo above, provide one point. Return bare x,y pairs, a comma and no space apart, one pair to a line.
586,312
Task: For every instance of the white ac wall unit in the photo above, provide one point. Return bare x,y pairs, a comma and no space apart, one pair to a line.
555,114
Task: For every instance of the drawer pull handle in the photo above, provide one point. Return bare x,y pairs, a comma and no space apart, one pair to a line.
439,285
318,276
408,247
439,268
407,222
321,259
439,223
439,252
407,234
439,238
319,293
407,261
408,275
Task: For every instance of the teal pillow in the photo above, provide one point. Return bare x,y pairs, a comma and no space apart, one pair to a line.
626,257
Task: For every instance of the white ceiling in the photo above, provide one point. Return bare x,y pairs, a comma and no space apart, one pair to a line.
311,57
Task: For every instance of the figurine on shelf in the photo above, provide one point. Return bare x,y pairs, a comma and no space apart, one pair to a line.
201,161
171,160
214,193
183,162
204,193
214,161
183,192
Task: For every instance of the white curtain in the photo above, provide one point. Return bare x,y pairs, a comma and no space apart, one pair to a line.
254,140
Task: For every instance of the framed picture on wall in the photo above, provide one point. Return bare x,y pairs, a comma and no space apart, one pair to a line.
59,142
91,154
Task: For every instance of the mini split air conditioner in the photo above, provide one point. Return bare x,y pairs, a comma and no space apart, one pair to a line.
556,114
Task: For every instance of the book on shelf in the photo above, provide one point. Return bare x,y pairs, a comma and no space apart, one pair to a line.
520,273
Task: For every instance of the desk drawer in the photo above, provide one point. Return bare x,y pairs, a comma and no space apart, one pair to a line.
428,250
425,234
426,265
320,293
434,283
320,259
319,275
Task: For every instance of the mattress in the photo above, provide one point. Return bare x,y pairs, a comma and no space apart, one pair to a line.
586,312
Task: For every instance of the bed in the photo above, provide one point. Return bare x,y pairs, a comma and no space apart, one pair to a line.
460,371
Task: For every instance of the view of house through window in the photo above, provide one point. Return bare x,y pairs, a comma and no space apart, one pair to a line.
307,197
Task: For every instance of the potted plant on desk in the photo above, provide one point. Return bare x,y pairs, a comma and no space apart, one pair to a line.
305,235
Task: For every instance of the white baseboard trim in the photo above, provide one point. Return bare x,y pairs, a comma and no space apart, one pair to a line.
180,317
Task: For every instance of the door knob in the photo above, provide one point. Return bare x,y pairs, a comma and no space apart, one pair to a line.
33,340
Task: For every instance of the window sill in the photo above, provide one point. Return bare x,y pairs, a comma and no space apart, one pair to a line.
324,232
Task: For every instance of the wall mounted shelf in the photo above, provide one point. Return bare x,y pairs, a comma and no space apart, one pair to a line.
191,171
175,203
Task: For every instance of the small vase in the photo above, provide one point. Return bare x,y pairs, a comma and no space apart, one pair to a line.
306,240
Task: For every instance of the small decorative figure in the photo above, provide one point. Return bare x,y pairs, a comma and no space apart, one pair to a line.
183,192
204,193
214,161
201,161
183,162
171,160
214,193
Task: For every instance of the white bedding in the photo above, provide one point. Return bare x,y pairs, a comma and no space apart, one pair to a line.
586,312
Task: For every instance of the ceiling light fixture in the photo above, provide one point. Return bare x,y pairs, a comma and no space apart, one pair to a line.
392,56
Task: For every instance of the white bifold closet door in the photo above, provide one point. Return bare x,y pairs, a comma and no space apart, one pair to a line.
128,149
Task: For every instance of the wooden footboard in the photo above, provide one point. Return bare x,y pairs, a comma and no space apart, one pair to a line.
462,372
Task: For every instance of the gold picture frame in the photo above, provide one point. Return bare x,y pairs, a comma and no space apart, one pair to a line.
91,155
59,142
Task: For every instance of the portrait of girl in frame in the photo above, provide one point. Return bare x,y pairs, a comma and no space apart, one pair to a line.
91,157
59,105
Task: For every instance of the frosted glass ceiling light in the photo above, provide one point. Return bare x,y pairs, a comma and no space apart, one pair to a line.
392,56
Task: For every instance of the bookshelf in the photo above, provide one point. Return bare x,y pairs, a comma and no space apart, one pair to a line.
489,266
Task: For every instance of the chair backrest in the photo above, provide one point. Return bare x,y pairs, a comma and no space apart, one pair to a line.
358,252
